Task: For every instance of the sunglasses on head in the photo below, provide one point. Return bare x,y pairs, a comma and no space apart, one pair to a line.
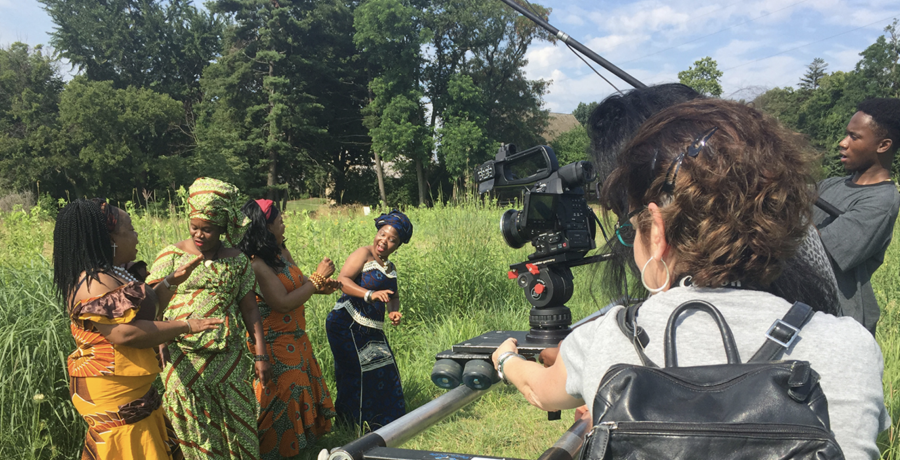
625,231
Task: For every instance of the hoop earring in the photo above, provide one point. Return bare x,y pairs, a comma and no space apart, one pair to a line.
644,281
114,249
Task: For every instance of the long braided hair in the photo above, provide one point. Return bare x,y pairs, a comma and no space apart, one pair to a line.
81,244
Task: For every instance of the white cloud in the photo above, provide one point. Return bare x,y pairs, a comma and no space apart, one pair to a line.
639,18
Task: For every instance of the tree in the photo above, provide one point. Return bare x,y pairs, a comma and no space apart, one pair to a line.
265,98
388,32
30,87
461,136
879,67
163,45
704,77
572,145
583,112
114,136
487,42
815,71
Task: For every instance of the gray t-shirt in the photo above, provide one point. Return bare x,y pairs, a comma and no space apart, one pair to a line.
844,354
857,240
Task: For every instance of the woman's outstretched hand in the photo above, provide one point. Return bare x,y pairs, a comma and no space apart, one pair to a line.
331,285
325,268
182,273
204,324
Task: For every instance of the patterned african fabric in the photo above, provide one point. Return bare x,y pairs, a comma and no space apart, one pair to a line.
296,408
111,385
369,392
209,398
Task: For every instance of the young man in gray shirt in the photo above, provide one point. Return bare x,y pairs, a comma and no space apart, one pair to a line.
857,239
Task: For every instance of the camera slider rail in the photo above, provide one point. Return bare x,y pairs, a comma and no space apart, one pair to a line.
382,444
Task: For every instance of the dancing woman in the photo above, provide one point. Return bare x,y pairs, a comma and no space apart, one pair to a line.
368,380
113,323
296,408
208,398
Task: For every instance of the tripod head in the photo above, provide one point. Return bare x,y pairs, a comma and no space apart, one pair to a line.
548,285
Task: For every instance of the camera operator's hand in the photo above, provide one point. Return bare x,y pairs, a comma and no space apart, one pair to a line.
395,317
507,345
549,355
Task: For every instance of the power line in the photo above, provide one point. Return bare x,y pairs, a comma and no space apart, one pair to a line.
714,33
812,42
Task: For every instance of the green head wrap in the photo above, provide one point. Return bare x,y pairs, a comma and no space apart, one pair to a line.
218,202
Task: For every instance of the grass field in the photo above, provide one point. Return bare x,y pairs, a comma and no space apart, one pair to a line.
453,286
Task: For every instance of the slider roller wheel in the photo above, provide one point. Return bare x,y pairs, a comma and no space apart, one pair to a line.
478,374
447,374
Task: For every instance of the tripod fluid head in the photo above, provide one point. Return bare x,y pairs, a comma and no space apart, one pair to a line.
548,285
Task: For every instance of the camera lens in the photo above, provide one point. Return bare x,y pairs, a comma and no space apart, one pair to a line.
509,228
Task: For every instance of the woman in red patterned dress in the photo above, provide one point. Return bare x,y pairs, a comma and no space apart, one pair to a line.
296,407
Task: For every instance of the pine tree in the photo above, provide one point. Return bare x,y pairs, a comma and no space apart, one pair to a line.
814,73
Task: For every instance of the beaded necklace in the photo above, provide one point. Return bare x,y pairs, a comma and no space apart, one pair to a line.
122,273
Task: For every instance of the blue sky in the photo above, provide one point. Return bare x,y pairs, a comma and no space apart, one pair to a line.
759,44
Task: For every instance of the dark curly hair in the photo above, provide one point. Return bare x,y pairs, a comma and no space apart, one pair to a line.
739,209
258,241
81,244
885,113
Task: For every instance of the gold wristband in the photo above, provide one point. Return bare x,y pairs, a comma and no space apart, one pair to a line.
317,280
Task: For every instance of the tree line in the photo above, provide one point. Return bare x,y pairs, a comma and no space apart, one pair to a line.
820,106
822,103
284,98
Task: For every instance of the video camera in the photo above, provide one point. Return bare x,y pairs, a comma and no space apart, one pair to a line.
556,217
559,224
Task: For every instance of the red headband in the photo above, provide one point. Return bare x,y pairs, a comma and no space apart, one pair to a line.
266,207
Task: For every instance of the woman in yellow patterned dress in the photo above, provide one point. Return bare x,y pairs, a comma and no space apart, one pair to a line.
208,396
112,320
296,409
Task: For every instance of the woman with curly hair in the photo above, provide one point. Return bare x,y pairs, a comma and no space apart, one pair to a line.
208,398
715,197
113,321
296,408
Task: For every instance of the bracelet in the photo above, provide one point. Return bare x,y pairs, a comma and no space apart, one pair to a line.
190,328
502,360
368,296
317,280
167,284
258,358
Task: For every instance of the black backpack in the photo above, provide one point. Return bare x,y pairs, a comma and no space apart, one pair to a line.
761,409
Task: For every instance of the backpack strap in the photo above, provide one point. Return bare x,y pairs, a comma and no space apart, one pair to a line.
626,319
783,332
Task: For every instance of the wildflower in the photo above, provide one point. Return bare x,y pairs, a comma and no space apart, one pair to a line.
39,398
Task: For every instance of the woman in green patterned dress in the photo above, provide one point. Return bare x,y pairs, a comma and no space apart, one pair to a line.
208,396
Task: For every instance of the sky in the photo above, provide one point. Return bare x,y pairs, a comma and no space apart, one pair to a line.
758,44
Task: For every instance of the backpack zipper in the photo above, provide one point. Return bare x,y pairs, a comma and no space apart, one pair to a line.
773,430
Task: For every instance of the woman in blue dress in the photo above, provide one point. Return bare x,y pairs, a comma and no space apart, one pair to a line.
369,392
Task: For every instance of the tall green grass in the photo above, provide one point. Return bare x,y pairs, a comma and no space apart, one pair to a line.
453,286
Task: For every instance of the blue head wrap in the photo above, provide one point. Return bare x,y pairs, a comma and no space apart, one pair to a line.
399,221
